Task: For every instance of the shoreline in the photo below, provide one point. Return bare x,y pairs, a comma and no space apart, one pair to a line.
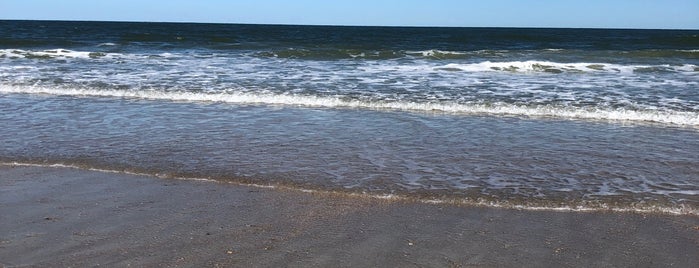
583,208
58,216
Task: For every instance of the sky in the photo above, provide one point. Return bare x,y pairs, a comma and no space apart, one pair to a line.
646,14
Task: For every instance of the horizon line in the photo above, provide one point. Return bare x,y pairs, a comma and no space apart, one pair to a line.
351,25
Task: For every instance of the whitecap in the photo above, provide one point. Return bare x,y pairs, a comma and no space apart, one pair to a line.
680,118
58,53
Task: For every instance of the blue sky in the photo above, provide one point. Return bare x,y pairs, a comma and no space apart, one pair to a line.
479,13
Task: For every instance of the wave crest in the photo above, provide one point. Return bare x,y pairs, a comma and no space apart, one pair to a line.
53,54
533,66
679,118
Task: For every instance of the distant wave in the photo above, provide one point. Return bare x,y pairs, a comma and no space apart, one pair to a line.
60,53
556,67
339,54
529,66
53,54
330,54
679,118
287,53
437,54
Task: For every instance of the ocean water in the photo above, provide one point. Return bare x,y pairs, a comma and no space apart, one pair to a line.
568,119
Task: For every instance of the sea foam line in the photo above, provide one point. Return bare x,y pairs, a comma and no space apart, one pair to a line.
679,118
681,210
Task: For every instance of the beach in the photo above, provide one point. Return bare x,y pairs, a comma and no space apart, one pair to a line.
541,118
153,144
60,217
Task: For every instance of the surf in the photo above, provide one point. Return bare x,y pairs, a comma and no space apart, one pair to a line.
673,118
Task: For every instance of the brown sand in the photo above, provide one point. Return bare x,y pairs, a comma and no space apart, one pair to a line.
57,217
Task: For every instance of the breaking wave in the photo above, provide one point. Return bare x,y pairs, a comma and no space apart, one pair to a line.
556,67
679,118
53,54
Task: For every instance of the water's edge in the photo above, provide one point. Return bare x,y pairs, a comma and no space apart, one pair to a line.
591,207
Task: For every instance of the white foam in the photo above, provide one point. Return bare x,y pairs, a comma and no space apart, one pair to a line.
54,53
434,53
528,67
680,118
555,67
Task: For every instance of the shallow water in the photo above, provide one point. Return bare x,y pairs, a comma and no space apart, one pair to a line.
508,159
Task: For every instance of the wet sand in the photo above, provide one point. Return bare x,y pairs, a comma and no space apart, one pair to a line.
57,217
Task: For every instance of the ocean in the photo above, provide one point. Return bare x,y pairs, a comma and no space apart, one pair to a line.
554,119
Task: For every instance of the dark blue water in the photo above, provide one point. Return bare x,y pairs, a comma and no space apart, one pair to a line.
532,118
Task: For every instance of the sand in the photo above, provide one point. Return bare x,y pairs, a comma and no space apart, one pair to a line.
57,217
